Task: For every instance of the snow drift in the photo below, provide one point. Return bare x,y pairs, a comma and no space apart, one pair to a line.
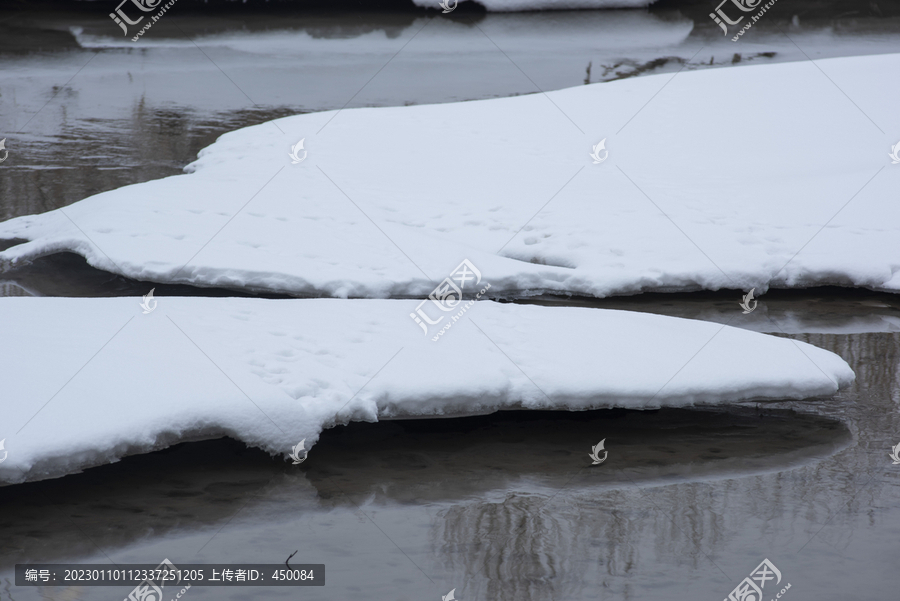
88,381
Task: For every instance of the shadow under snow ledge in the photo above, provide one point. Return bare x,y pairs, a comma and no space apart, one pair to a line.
450,465
88,381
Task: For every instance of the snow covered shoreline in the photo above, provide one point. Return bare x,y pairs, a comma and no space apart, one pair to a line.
389,199
93,380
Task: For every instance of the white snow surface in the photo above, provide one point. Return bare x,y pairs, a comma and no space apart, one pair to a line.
88,381
771,175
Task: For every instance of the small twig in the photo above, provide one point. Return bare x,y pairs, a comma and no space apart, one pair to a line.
289,558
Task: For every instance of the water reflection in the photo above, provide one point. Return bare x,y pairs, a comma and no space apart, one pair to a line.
822,310
92,154
468,462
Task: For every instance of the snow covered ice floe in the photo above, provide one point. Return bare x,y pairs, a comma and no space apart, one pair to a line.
724,179
87,381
